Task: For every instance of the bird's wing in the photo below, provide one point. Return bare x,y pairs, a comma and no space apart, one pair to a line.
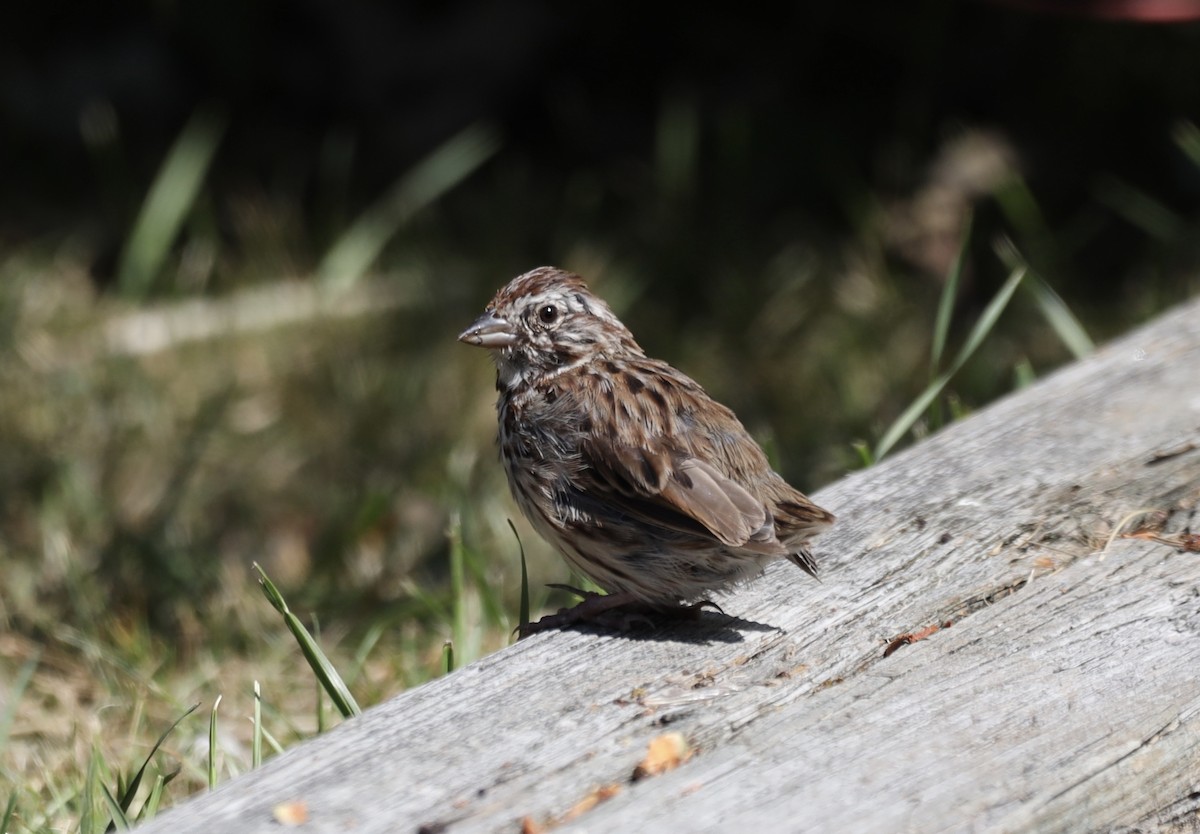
671,489
667,460
723,506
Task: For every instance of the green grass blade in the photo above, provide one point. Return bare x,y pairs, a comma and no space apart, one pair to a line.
423,599
256,743
941,326
448,657
910,415
24,676
171,197
119,821
1064,323
1187,137
315,631
987,320
1140,209
1023,374
365,646
329,677
523,614
1022,211
150,809
212,745
319,701
1017,203
320,707
359,246
9,810
87,815
271,740
458,600
127,794
863,450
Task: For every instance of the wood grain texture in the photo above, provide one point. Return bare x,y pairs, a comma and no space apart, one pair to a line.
1065,696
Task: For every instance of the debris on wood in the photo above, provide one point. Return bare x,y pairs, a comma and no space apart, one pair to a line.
531,826
1167,454
594,798
291,813
1188,542
914,636
1150,527
666,752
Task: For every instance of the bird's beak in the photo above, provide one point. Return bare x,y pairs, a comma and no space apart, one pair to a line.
489,331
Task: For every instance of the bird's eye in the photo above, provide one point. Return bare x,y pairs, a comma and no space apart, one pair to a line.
548,314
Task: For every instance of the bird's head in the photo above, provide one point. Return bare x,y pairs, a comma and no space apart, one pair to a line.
545,321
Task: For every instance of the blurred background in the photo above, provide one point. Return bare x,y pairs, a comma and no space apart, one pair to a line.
237,241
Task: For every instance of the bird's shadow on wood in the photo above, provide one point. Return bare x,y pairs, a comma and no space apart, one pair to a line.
701,629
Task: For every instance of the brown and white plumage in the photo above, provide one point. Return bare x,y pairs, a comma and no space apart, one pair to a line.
644,483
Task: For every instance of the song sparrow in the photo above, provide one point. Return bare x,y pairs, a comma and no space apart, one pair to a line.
643,482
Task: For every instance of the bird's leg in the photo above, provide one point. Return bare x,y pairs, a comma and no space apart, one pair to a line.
619,611
592,608
697,608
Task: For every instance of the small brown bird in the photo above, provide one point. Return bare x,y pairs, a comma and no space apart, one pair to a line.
645,484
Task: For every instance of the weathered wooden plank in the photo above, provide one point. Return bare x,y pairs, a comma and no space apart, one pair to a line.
1064,697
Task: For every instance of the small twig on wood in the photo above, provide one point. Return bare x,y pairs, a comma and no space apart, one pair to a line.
1189,542
914,636
1155,519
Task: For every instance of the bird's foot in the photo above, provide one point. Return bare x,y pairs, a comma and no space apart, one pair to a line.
617,612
